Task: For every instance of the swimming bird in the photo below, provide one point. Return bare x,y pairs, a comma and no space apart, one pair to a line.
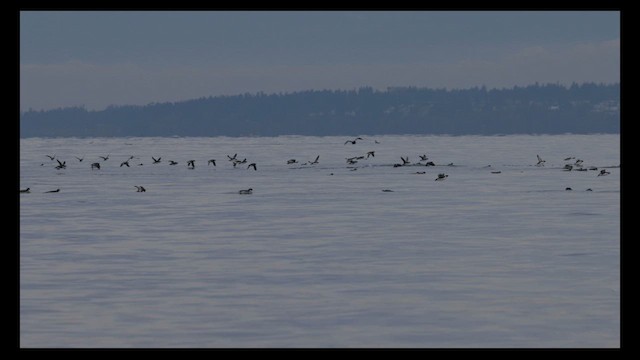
569,158
252,165
387,190
171,162
212,161
191,164
430,163
140,188
52,191
441,177
540,161
568,167
79,159
246,192
568,189
376,141
589,189
51,157
24,191
292,161
125,163
420,172
156,161
496,172
603,172
95,166
371,153
105,158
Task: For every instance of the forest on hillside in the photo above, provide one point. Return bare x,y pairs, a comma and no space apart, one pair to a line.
534,109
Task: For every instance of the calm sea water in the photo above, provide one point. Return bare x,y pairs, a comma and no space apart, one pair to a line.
319,255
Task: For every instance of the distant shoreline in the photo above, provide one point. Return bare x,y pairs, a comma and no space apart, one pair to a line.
536,109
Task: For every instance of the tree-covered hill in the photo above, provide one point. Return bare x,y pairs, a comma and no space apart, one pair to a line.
541,109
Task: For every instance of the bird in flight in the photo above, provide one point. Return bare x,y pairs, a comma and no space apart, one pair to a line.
315,161
252,165
140,188
540,161
156,161
353,142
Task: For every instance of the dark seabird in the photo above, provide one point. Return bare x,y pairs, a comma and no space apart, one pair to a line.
569,158
387,190
424,157
191,164
24,191
61,165
568,167
568,189
95,165
292,161
252,165
420,172
52,191
371,153
603,172
51,157
140,188
212,161
232,158
589,189
441,177
430,163
79,159
353,142
496,172
171,162
405,161
105,158
125,163
246,192
376,141
315,161
540,161
156,161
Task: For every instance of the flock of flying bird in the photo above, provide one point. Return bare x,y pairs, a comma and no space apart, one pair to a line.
424,161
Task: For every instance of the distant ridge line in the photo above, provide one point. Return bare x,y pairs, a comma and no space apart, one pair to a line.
534,109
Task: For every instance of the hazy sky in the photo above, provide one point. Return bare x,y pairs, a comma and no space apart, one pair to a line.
95,59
